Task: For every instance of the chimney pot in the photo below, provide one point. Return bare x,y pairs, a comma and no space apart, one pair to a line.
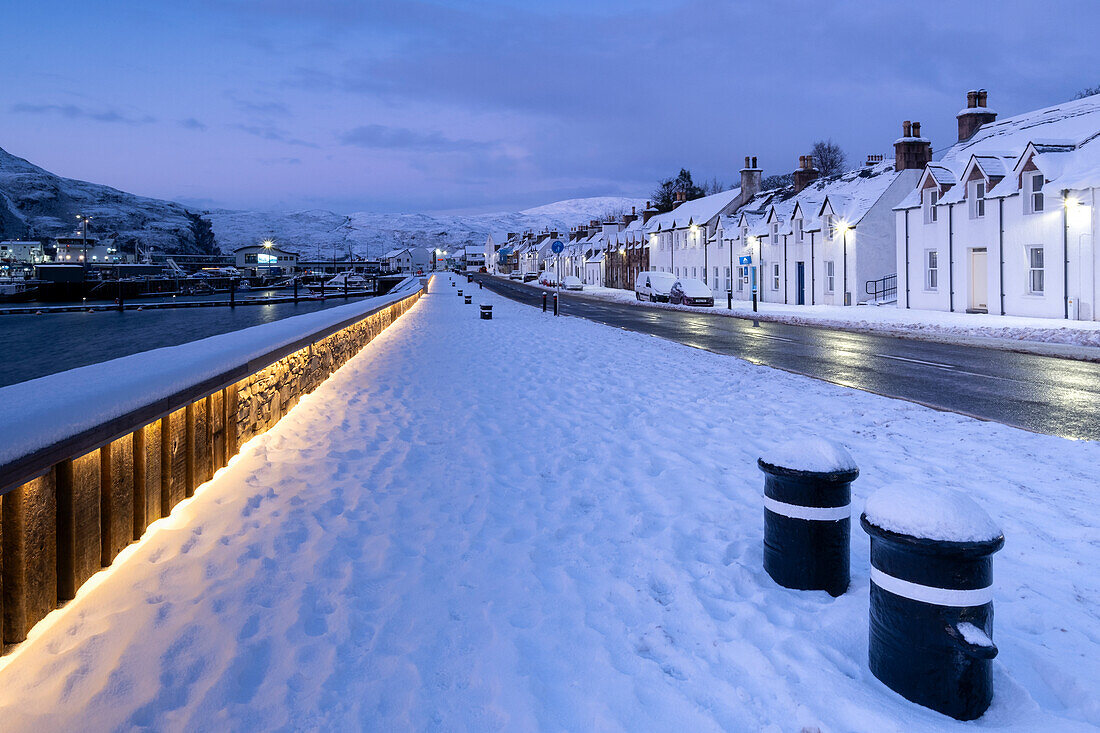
983,95
972,99
907,129
916,129
631,209
754,161
747,162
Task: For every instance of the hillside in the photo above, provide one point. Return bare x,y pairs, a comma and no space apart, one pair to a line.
320,234
35,203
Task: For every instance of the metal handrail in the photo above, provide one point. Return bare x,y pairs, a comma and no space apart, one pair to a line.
882,288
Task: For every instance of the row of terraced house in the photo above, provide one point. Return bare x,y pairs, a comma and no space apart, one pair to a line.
1002,221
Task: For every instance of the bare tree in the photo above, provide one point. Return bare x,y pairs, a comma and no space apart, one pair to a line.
714,186
828,157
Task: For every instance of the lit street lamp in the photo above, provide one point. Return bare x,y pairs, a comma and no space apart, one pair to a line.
83,219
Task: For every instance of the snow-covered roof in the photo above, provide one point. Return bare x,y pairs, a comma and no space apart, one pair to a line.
698,211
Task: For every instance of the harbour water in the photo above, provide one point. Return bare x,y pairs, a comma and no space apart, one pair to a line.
36,345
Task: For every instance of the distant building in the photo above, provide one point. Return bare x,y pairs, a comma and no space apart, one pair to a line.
26,253
259,260
407,259
72,250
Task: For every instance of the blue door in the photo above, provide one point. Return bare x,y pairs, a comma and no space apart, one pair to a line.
800,283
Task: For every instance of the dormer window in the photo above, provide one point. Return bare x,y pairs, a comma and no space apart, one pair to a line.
775,233
830,227
798,232
744,236
1033,193
976,194
931,198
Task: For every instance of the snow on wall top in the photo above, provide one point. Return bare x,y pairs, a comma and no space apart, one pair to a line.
40,412
936,514
810,453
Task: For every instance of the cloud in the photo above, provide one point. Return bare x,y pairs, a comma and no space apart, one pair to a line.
381,137
274,134
192,124
73,112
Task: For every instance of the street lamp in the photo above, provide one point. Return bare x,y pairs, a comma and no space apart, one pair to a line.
83,219
842,227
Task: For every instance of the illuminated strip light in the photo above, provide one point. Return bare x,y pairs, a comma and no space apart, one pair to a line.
811,513
927,594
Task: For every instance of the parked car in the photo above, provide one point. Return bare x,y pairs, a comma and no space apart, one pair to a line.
690,292
529,276
572,282
516,276
654,286
547,279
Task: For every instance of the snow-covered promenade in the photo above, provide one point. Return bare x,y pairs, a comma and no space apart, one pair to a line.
545,523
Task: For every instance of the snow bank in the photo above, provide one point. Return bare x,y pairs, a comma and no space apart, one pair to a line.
810,453
537,523
935,514
39,412
1018,332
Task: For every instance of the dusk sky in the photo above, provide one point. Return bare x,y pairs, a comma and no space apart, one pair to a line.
410,105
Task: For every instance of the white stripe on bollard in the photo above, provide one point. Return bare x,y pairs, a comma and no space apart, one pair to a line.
950,597
812,513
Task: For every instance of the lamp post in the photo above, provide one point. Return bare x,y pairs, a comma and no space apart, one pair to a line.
83,219
842,226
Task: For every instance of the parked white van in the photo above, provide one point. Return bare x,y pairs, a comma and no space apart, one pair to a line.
654,286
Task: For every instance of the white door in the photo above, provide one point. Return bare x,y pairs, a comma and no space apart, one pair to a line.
979,280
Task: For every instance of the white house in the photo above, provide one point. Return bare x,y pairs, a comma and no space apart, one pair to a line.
18,251
683,241
407,259
1005,221
822,240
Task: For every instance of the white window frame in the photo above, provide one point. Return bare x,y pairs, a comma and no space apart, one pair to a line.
775,276
1034,201
830,276
1036,275
775,233
799,233
929,200
742,277
931,270
715,280
976,194
830,227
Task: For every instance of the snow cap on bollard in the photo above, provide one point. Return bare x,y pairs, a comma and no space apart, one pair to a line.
807,514
469,299
931,617
486,312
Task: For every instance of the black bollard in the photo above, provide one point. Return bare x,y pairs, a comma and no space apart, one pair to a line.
480,285
807,514
754,301
555,304
322,287
469,299
544,302
295,290
460,293
729,300
232,293
486,312
931,620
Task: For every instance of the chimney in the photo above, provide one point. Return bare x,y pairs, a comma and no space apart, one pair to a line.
975,115
627,218
678,198
911,151
806,172
750,179
648,212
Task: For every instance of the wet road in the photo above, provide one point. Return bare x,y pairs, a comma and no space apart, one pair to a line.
1039,393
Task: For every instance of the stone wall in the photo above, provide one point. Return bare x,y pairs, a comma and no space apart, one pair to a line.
60,528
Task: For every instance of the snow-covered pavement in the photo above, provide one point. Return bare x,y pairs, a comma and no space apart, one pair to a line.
545,523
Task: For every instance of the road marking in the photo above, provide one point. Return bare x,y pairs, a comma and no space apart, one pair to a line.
770,336
918,361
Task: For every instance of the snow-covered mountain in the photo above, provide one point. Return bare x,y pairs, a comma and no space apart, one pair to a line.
35,203
320,234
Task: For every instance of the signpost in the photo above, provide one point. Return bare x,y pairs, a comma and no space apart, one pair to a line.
557,248
746,260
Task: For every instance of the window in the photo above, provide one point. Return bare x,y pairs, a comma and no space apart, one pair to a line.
693,272
830,227
744,235
715,280
798,234
977,199
677,272
1035,282
775,233
931,198
931,270
727,278
775,276
742,278
1034,199
830,276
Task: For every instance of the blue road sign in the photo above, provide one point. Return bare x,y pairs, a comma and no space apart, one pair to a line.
745,260
557,246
